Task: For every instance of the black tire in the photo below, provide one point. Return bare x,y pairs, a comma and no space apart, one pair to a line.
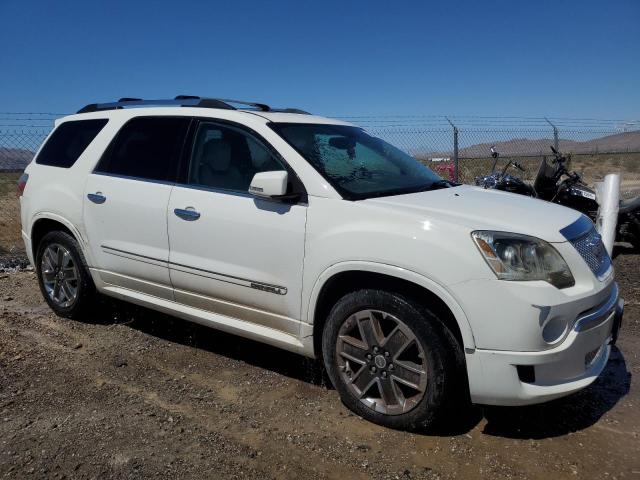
86,291
445,375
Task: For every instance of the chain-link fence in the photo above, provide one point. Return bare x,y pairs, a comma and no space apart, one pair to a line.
457,148
21,134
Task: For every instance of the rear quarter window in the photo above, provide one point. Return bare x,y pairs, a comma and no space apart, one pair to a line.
68,141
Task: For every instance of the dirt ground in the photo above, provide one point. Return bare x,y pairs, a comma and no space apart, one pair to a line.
136,394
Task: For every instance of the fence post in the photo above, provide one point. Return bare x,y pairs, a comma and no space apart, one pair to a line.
455,150
555,133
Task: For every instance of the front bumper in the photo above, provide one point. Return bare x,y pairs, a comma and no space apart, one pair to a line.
498,377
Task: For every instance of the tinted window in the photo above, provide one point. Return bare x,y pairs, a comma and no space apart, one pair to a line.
227,158
146,147
68,142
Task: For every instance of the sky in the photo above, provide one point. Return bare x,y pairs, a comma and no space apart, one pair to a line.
342,58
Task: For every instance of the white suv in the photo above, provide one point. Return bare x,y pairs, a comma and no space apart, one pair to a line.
309,234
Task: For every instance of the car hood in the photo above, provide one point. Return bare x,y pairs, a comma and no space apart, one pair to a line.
473,208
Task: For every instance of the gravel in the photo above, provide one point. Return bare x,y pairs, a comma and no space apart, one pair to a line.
132,393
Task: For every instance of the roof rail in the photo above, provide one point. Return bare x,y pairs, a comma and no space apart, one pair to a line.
183,101
290,110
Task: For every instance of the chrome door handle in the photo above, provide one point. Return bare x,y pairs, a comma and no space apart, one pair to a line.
97,197
187,214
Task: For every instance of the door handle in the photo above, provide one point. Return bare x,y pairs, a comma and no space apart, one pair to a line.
188,214
97,197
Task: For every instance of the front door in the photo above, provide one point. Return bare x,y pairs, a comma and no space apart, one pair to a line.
230,252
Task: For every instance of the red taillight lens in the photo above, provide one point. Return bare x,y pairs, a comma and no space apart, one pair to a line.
22,183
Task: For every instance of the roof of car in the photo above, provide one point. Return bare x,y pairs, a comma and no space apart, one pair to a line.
203,106
233,115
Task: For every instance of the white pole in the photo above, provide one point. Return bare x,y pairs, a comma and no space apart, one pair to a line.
608,195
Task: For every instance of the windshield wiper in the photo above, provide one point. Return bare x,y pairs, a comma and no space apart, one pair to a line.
437,185
441,184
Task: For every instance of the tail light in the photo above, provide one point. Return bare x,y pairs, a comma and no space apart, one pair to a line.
22,183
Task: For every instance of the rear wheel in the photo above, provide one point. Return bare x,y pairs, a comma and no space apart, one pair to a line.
63,275
392,361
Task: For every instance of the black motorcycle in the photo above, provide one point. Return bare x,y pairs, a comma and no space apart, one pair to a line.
501,180
554,183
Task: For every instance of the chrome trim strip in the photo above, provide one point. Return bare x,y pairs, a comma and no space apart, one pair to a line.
243,282
239,193
577,229
132,254
267,287
223,191
137,179
209,276
600,314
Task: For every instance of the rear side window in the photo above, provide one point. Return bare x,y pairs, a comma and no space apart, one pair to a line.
147,148
68,142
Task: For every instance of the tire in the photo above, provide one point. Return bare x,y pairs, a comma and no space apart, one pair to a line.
378,389
63,275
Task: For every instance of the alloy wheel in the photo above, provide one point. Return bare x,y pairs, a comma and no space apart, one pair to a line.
381,361
60,275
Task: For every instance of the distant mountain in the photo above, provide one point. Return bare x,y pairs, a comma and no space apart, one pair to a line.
14,158
620,142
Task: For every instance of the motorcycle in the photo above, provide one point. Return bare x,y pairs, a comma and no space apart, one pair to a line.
501,180
555,183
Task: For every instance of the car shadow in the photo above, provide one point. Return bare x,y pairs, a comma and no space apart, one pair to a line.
556,418
191,334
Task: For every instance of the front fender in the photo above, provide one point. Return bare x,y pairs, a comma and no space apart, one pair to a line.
398,272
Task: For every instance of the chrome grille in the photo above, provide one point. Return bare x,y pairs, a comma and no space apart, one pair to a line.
592,250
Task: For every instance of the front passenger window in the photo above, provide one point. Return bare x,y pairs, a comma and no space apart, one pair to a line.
227,158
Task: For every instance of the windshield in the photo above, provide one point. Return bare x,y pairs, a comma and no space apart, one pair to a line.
356,164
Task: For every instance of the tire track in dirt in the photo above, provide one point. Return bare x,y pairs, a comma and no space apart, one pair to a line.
137,394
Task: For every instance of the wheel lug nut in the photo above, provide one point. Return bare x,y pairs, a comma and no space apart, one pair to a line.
368,355
384,374
375,349
373,369
386,354
391,366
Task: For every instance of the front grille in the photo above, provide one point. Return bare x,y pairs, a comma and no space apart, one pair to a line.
592,250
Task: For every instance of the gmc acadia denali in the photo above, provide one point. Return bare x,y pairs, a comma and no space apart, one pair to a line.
311,235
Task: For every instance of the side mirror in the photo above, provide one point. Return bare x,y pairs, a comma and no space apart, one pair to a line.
269,184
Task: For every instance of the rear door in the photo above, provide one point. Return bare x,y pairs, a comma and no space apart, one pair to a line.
125,204
232,253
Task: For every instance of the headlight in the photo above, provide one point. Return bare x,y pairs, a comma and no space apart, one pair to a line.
519,257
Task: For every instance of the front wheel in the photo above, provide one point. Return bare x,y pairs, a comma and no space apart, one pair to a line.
63,275
392,361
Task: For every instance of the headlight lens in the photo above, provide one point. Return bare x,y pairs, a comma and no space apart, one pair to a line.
519,257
